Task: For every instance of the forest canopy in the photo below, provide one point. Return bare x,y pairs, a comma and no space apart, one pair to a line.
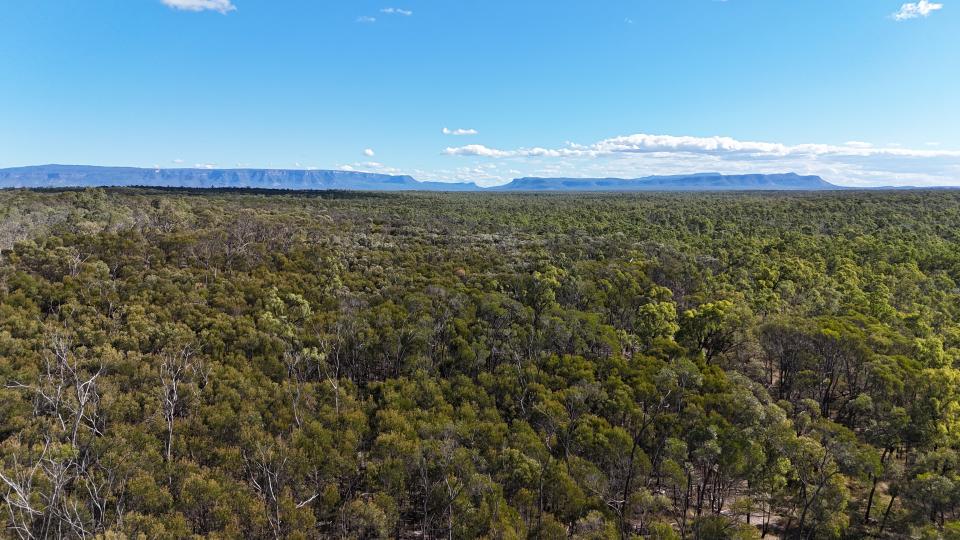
255,364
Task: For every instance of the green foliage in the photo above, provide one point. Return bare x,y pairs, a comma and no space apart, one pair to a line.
183,364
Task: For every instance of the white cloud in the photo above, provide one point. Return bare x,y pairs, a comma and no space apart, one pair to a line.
484,151
923,8
178,161
631,156
369,152
207,166
370,166
644,143
459,132
366,19
221,6
396,11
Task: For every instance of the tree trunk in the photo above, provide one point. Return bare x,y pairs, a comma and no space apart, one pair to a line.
886,514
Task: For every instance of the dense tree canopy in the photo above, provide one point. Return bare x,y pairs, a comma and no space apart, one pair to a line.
226,364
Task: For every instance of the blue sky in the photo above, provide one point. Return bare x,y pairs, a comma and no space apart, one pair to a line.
862,92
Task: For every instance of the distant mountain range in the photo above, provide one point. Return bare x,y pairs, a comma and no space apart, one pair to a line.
692,182
53,176
56,176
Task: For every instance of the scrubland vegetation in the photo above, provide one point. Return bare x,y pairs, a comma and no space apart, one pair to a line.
181,364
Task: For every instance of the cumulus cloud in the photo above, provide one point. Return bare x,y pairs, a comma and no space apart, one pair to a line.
459,132
369,152
484,151
370,166
644,143
915,10
396,11
632,156
221,6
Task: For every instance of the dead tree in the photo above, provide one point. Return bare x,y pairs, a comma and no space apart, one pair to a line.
41,478
176,369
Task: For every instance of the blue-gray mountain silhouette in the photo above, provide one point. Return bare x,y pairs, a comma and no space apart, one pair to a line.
61,176
693,182
53,176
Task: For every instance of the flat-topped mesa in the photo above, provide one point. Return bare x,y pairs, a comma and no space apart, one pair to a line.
62,176
693,182
53,176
